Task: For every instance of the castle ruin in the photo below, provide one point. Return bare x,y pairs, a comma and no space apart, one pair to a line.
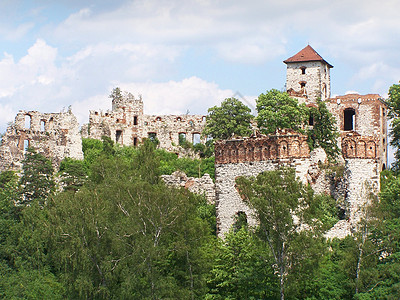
360,119
55,135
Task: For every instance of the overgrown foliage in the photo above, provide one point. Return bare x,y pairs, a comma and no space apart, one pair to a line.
276,110
230,119
394,116
324,133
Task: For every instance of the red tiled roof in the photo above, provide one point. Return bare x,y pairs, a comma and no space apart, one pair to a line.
307,54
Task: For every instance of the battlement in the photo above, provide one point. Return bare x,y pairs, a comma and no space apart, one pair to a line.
285,144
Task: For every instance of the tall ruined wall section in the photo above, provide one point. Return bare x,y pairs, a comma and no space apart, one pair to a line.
56,135
362,122
126,124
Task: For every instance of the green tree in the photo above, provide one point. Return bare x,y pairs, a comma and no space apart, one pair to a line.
127,217
323,133
73,173
276,110
394,115
285,210
116,94
37,177
231,118
242,269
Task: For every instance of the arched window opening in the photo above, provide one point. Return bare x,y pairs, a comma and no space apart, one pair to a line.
240,221
118,136
135,122
179,119
135,141
204,118
383,167
303,70
196,138
303,84
28,120
158,119
349,117
42,125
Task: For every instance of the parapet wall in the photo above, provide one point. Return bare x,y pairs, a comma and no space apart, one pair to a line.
286,144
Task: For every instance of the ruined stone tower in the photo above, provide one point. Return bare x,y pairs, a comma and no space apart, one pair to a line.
361,121
308,75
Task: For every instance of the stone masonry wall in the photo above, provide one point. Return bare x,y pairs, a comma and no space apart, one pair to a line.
316,79
56,135
127,125
202,186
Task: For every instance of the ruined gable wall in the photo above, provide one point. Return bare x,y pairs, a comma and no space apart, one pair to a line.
56,135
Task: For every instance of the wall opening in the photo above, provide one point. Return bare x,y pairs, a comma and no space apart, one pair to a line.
383,167
135,141
302,84
118,136
153,137
135,120
196,138
28,120
26,145
311,120
182,138
42,125
349,118
51,124
303,70
240,221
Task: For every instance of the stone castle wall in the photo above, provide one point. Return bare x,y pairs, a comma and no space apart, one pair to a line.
56,135
127,125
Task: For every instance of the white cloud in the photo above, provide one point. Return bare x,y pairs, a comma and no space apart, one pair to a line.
177,97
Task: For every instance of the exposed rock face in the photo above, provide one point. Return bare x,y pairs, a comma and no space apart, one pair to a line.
56,135
203,185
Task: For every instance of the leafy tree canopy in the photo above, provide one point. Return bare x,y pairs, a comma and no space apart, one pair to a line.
394,115
231,118
276,110
324,132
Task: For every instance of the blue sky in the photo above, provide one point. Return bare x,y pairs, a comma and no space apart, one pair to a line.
185,55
